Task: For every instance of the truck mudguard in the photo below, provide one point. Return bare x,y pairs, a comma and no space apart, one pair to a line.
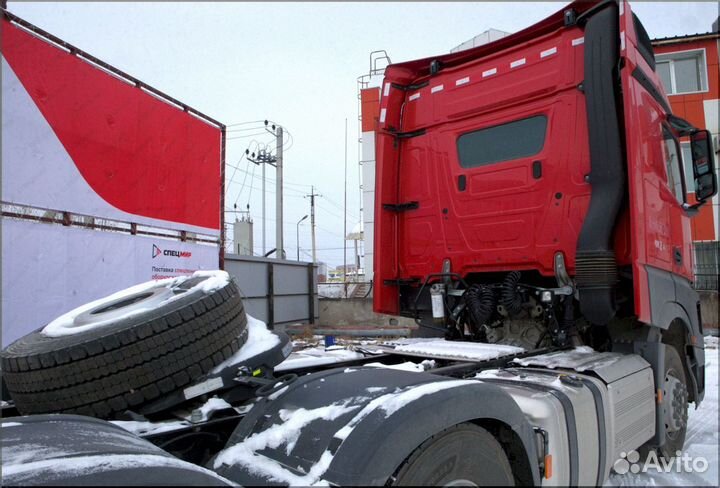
671,299
357,426
70,450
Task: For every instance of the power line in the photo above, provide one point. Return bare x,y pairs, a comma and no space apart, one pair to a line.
236,168
244,123
260,189
272,182
246,135
335,214
241,187
287,143
336,205
251,188
244,129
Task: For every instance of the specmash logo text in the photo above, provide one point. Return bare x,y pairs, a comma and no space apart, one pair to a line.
156,251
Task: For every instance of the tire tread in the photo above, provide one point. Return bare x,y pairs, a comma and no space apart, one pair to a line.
109,374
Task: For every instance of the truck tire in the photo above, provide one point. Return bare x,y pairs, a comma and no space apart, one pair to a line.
675,396
674,389
463,455
138,347
4,393
69,450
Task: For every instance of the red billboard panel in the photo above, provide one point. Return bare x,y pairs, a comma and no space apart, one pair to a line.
80,139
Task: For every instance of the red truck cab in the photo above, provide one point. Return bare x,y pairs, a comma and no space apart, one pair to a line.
530,192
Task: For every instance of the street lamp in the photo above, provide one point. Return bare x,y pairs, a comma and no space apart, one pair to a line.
297,236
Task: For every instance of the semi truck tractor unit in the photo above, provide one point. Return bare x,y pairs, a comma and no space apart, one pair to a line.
531,215
530,192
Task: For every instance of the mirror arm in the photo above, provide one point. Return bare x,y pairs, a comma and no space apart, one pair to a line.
693,210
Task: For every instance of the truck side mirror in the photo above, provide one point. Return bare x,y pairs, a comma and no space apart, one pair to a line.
703,165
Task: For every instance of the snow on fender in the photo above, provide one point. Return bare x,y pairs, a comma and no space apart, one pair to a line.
356,426
128,348
67,450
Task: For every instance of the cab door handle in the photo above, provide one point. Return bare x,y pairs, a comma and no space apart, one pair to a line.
462,183
537,169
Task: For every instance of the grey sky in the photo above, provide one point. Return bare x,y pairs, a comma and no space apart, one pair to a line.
297,64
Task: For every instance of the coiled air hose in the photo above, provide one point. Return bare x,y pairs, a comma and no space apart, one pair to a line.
480,306
509,296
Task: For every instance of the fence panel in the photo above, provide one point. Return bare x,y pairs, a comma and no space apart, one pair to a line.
707,265
276,291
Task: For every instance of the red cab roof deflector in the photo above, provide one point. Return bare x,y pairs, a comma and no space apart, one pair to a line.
411,71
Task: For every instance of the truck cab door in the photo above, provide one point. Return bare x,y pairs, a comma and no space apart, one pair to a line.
661,238
675,196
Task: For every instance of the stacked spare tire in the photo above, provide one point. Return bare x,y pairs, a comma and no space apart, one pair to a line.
128,349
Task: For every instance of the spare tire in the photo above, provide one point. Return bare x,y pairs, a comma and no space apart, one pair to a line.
129,348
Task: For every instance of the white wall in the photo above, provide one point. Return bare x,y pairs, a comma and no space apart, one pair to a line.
49,269
368,177
486,37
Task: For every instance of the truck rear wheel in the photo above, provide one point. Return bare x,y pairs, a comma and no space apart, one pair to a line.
463,455
127,349
675,407
675,404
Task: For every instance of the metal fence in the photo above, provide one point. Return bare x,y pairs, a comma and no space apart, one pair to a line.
707,265
276,291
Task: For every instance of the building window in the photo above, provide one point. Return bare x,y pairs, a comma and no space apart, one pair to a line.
514,140
683,72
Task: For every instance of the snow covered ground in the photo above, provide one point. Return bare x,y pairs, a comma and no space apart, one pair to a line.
318,356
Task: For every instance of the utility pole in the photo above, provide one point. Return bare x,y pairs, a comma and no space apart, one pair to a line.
264,249
262,158
280,249
312,196
345,219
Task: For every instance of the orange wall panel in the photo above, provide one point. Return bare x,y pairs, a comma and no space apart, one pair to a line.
370,108
703,224
690,109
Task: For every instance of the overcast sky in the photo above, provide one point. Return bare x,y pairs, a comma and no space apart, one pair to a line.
297,64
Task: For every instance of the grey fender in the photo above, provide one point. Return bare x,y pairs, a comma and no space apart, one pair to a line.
71,450
675,313
387,419
673,300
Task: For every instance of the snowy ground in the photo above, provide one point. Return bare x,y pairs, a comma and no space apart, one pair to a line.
334,290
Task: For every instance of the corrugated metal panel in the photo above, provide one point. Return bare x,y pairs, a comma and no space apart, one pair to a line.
276,291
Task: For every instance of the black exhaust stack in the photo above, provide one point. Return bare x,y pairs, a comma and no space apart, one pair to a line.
596,267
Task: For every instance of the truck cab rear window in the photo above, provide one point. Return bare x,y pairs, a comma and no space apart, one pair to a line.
517,139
